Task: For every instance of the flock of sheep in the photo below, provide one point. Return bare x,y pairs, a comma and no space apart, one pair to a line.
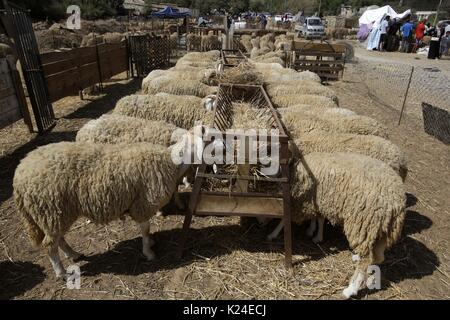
344,168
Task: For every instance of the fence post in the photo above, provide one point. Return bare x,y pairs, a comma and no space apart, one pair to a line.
406,96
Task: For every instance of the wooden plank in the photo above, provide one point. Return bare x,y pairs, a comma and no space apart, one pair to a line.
6,92
319,68
318,54
319,62
240,206
321,47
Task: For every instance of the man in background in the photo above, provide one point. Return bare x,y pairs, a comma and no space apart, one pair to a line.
406,31
383,33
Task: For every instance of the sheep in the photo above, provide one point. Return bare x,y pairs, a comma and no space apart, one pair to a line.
288,100
372,146
318,110
209,56
361,194
173,40
113,37
271,60
115,129
202,75
246,42
256,52
193,42
275,73
210,42
92,39
255,43
187,64
173,85
299,123
182,111
300,87
59,183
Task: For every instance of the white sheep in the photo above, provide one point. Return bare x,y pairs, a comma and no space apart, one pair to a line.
299,123
319,110
173,85
289,100
115,129
59,183
193,42
300,87
361,194
372,146
182,111
202,75
275,73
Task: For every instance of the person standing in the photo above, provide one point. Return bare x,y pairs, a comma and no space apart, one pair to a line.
383,33
406,31
445,44
420,32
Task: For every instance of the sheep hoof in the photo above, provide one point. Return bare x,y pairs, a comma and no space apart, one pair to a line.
356,258
348,293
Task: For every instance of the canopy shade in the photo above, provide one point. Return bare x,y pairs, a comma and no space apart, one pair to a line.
375,16
170,13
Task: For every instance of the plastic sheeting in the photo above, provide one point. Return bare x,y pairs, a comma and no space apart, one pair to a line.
375,16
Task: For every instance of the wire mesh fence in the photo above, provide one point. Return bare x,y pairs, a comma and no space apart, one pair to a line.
422,93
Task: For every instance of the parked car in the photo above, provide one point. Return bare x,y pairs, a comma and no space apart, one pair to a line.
312,28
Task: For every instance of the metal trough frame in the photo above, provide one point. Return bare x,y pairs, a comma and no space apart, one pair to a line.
244,204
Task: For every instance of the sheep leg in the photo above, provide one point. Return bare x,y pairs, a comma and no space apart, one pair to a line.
312,228
55,260
378,251
178,202
319,237
276,232
68,251
147,242
356,283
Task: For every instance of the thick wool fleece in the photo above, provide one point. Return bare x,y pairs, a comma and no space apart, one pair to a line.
299,123
289,100
182,111
58,183
372,146
361,194
115,129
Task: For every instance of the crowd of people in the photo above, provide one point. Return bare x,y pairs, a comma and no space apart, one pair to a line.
409,36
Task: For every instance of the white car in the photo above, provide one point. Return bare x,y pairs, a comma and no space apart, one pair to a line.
312,28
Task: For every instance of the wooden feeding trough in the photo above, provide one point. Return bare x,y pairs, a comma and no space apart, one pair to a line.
232,58
325,59
241,192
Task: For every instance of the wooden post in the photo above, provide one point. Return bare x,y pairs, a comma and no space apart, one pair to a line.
406,96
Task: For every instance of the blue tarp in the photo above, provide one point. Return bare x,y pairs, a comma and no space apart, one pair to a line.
170,13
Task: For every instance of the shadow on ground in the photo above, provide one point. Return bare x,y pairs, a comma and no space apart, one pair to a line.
16,278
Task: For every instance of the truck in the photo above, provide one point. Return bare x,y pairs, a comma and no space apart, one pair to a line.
311,28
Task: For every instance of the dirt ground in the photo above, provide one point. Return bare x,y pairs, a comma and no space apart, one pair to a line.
223,259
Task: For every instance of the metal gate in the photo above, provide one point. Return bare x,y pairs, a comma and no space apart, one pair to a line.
147,53
19,27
